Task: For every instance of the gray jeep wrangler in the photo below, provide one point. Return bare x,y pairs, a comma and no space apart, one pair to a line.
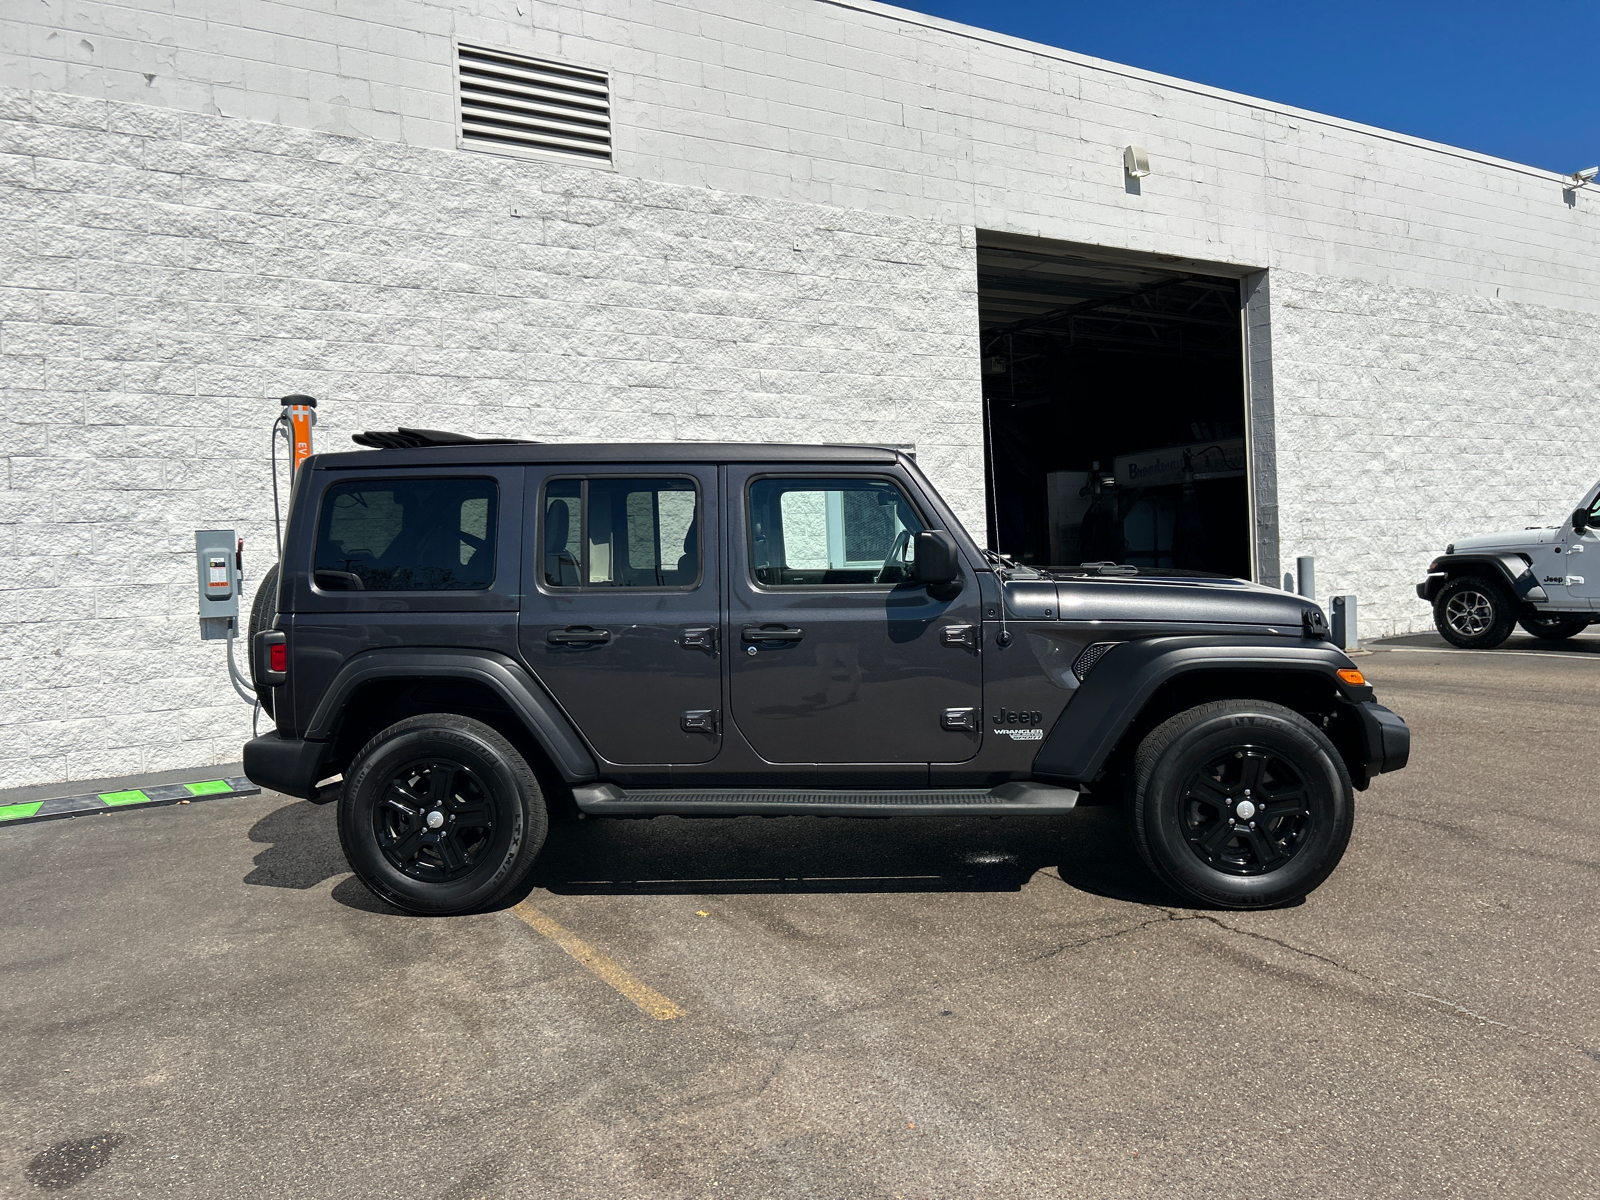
467,636
1538,578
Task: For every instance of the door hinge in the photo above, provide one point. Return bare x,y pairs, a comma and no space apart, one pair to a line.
958,635
960,719
700,638
700,720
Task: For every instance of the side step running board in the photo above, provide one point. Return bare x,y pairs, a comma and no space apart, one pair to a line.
607,799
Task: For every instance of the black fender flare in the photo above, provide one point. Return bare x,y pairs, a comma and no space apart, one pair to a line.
1128,676
508,679
1507,566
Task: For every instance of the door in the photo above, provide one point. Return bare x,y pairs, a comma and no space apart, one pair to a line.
621,611
1567,564
835,656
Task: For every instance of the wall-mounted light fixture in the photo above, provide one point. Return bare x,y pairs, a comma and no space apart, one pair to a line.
1135,162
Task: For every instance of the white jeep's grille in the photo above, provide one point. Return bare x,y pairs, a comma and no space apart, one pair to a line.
509,101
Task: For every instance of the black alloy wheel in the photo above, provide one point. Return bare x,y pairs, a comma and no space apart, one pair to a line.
1473,613
440,814
1246,811
1241,804
435,821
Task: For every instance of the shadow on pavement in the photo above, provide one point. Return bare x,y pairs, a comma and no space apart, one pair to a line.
745,855
1587,643
1089,849
303,847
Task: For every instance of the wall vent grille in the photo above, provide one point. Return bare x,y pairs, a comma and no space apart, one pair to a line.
509,101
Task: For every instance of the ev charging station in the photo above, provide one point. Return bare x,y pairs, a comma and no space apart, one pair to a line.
219,553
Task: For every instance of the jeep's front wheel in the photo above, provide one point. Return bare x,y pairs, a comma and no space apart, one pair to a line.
1554,629
440,814
1473,613
1241,804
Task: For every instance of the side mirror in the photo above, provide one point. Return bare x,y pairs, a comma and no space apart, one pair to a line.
936,563
1580,520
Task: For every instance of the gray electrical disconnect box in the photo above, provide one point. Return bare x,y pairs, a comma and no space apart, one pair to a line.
216,560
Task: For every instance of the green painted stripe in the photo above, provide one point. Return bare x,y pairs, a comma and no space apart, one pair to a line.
209,788
14,812
133,797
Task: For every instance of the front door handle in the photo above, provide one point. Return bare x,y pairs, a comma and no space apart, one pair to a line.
578,635
771,633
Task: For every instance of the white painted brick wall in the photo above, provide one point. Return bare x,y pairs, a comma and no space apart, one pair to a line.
209,204
864,106
1408,418
163,275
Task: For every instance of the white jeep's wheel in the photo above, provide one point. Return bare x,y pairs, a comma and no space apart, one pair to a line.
1473,613
1552,628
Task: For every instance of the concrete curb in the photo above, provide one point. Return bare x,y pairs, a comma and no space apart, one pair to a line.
154,796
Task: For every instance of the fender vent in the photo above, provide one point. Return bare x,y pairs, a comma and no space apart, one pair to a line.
1090,657
511,102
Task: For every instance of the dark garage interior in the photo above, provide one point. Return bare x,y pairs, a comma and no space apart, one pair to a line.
1114,403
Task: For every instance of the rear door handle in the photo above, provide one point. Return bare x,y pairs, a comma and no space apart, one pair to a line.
771,633
578,635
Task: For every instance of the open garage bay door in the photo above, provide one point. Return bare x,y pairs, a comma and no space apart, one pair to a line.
1114,392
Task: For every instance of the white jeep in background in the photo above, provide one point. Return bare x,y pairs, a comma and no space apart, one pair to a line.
1544,578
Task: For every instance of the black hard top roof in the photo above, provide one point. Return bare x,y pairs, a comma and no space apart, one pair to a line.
607,452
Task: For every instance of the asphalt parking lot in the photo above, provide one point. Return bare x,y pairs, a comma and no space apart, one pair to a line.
200,1002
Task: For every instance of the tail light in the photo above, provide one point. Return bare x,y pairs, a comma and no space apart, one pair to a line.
270,656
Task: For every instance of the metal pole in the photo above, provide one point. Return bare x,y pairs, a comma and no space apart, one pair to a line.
1306,571
1344,623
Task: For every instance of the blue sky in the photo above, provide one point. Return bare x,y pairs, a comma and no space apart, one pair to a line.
1519,79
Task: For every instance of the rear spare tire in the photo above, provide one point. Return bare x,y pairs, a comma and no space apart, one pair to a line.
1473,612
1241,804
439,814
263,615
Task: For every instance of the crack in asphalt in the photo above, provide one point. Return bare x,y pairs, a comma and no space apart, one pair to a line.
792,1036
1439,1002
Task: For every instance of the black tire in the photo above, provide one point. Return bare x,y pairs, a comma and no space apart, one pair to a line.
1474,613
491,814
263,615
1554,629
1190,776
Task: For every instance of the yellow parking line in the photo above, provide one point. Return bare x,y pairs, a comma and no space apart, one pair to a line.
647,998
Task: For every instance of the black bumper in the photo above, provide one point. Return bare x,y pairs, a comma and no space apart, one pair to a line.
1387,738
288,765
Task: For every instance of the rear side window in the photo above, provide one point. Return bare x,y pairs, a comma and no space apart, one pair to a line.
621,533
407,535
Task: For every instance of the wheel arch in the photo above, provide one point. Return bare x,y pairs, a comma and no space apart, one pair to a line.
376,688
1510,569
1138,685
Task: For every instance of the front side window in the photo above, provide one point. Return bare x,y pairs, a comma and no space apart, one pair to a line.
811,532
410,535
621,533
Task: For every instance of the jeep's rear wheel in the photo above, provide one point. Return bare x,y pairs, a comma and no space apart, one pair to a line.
1554,629
440,814
1473,613
1241,804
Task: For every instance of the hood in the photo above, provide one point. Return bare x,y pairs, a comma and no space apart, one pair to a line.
1510,539
1165,599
